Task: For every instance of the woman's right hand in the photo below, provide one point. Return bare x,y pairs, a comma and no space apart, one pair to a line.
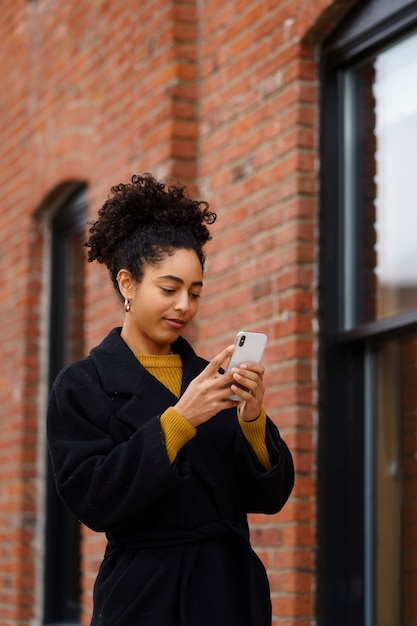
207,394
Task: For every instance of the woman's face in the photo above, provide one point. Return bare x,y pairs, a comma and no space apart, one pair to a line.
163,303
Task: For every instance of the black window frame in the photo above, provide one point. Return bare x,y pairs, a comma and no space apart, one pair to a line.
369,27
62,583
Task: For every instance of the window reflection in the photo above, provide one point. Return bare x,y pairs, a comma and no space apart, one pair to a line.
396,472
385,105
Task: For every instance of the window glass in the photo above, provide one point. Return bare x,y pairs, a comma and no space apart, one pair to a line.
381,178
396,479
62,584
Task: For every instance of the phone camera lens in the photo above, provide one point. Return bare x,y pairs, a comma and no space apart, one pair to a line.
242,340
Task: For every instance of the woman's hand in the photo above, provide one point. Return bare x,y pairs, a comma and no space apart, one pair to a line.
250,387
208,393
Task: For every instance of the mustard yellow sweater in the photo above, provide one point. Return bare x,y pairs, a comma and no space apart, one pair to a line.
176,429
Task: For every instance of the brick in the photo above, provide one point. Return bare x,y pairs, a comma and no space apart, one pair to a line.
293,606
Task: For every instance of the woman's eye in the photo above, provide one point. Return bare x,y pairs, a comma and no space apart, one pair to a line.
169,292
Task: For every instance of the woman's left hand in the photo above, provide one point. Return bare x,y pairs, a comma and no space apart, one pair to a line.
250,387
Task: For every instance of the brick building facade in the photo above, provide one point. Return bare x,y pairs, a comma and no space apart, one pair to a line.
238,100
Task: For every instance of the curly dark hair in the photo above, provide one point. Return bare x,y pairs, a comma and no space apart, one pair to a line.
144,221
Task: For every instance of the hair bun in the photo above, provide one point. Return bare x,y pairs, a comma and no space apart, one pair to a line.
141,204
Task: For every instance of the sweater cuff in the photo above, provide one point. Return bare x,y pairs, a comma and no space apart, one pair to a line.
255,432
176,430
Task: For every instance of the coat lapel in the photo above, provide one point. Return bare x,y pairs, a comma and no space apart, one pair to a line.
118,368
138,395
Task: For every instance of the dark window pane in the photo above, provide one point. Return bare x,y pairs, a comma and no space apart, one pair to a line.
396,479
381,180
66,344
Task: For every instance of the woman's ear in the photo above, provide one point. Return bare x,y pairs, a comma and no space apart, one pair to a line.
126,284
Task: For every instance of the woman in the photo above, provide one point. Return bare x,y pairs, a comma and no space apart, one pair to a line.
146,446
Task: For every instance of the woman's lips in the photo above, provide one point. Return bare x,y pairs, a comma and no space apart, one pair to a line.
175,323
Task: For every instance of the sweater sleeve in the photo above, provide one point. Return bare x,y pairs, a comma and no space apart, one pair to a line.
255,434
176,430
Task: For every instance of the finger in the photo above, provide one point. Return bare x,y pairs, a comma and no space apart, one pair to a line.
245,377
253,367
245,385
250,381
239,390
217,362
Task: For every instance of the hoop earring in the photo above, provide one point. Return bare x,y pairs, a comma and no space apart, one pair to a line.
127,305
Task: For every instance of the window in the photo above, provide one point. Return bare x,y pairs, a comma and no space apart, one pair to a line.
368,443
66,344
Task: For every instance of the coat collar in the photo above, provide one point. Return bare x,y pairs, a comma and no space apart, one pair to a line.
121,372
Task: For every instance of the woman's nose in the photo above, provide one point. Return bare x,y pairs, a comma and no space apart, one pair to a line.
183,302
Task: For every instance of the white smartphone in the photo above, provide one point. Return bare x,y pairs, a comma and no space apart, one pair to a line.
249,348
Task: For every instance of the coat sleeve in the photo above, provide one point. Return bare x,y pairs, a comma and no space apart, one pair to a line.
101,481
266,491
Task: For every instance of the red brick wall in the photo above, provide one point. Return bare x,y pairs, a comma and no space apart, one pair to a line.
224,96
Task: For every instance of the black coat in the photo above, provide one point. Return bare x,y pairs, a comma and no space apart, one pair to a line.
178,548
